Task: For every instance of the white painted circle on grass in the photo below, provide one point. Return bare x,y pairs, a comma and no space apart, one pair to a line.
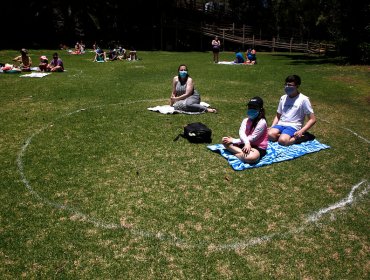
357,191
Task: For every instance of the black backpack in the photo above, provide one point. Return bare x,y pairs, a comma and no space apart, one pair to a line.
196,133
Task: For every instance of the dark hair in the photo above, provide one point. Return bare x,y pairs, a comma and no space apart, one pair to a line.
178,69
293,79
55,54
261,115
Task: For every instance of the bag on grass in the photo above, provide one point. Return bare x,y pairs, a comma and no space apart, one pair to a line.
196,133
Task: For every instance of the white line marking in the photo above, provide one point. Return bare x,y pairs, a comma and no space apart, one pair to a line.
167,237
355,133
311,219
346,201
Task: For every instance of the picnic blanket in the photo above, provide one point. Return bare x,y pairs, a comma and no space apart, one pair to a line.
35,75
167,109
275,153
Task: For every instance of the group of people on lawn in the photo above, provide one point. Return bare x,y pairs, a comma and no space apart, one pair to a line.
117,53
250,54
287,127
24,63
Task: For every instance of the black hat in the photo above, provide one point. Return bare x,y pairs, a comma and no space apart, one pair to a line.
256,102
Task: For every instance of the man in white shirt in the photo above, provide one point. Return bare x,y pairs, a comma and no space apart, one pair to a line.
288,125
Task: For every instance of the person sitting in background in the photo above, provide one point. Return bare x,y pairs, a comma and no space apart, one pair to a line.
100,55
112,55
132,54
43,63
24,60
82,47
77,48
238,57
121,53
56,64
251,145
251,57
63,47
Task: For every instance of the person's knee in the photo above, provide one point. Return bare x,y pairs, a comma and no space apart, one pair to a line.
283,141
250,158
273,135
241,156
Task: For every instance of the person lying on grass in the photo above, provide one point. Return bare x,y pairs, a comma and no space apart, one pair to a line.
287,127
184,96
252,144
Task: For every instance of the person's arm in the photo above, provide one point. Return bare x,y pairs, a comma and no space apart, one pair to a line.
259,131
173,93
228,140
243,136
189,90
17,59
311,121
276,119
231,140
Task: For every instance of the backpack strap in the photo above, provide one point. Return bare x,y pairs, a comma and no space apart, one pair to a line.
178,136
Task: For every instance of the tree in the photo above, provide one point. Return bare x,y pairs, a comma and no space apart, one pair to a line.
348,24
147,24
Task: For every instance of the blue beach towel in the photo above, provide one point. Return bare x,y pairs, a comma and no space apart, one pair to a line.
275,153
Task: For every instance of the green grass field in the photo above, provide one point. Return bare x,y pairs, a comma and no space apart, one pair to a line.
93,186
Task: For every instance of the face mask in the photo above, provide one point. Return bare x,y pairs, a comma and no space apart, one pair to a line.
183,73
252,113
290,90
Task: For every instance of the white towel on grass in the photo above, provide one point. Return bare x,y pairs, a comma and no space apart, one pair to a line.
230,63
167,109
35,75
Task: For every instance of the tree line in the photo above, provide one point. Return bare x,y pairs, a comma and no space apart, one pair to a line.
152,24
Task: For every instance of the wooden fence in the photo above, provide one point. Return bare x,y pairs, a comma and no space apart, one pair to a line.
246,37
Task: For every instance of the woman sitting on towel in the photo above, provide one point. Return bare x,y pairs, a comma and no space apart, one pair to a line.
252,145
184,96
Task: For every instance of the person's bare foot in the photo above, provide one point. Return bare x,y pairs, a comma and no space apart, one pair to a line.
211,110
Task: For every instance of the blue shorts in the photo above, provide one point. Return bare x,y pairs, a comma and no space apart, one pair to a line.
285,129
